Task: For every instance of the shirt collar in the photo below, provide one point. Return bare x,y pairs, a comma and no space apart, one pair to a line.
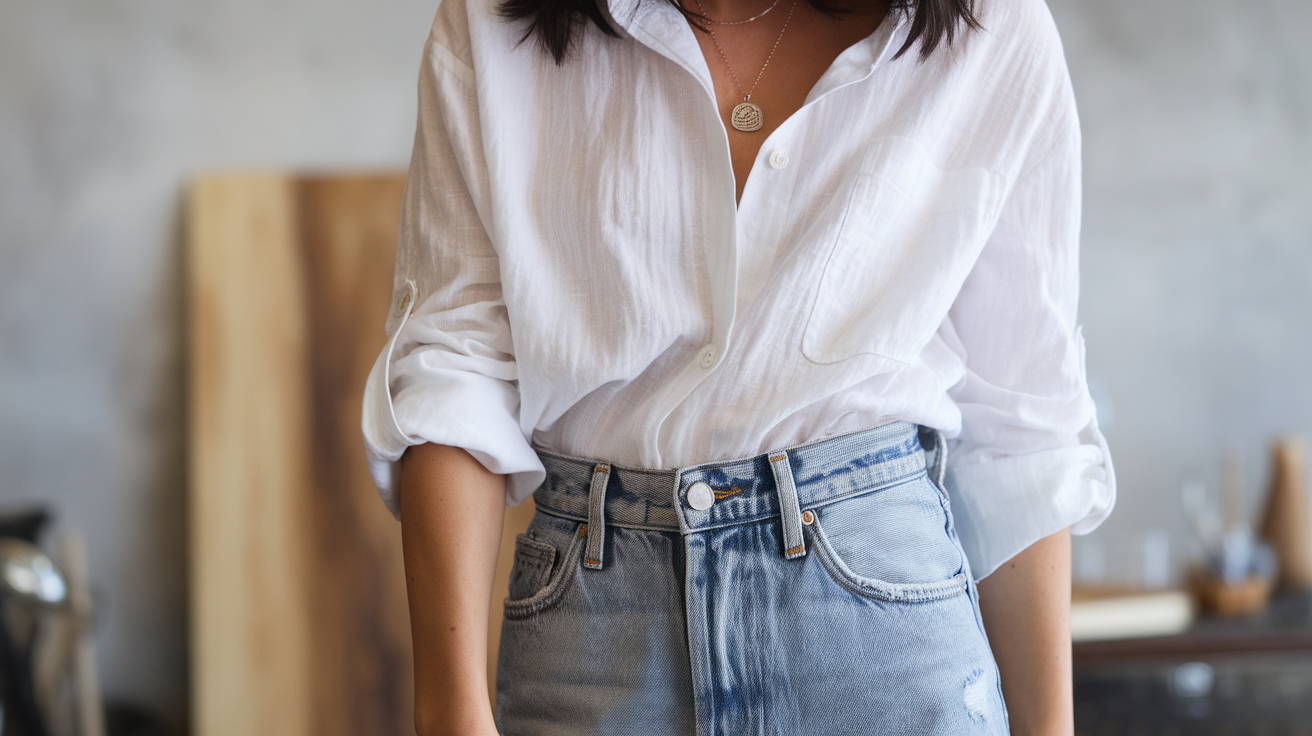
860,60
658,25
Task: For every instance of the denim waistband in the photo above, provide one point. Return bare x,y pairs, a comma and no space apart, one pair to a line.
743,490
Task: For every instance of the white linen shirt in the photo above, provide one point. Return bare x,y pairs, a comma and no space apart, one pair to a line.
572,270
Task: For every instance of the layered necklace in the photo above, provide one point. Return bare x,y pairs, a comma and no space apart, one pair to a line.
746,116
758,16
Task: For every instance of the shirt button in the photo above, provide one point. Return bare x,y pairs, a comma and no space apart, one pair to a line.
706,358
700,496
778,158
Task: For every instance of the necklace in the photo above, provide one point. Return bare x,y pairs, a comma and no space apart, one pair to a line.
740,22
746,116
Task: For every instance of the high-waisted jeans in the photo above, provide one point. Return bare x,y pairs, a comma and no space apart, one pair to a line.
815,590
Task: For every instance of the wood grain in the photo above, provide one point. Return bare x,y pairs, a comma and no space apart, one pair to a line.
248,459
299,616
360,659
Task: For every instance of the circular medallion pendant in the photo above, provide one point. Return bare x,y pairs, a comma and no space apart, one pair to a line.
747,117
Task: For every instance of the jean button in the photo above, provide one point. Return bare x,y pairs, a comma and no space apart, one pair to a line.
700,496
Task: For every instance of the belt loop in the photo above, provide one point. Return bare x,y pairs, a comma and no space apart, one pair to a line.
789,507
938,473
595,553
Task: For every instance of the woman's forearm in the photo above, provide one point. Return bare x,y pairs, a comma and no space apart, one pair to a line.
1026,605
451,515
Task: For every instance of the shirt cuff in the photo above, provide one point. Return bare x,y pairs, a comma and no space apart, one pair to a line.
1001,507
448,407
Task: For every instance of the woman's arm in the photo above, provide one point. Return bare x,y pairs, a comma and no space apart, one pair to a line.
451,514
1026,605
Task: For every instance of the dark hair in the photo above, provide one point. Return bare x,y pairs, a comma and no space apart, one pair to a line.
552,23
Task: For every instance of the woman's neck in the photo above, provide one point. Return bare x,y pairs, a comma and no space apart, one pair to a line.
776,65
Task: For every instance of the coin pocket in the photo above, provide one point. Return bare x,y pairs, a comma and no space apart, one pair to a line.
534,562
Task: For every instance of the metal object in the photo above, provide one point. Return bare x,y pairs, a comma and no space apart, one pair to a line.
747,116
740,22
700,496
29,575
32,589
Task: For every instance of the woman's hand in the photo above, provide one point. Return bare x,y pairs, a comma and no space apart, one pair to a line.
1026,605
452,510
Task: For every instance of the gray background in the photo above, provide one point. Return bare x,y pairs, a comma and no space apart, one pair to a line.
106,108
1198,145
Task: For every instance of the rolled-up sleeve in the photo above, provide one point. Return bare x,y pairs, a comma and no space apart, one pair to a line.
447,374
1030,459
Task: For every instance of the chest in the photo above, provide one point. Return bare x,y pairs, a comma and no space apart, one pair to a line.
772,64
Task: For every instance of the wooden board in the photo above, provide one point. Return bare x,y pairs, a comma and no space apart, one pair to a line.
299,618
248,460
360,661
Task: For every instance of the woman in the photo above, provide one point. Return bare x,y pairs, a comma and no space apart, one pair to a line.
716,281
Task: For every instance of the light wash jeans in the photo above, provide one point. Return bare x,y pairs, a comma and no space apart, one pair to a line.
816,590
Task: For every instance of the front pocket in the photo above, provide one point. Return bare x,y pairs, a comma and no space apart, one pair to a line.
547,587
894,543
882,589
910,235
531,571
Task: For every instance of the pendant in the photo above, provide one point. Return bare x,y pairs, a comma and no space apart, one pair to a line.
747,117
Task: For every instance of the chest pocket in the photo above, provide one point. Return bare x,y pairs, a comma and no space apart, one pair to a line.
910,234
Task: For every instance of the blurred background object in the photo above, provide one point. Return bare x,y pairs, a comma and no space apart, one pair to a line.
32,592
1100,614
299,619
1287,523
1197,120
48,682
1238,570
299,616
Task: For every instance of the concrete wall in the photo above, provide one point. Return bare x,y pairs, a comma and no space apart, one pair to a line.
1197,259
1197,292
106,107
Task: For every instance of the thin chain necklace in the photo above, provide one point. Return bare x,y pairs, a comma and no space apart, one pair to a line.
759,15
746,116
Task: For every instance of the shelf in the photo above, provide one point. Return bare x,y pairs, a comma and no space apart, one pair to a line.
1285,627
